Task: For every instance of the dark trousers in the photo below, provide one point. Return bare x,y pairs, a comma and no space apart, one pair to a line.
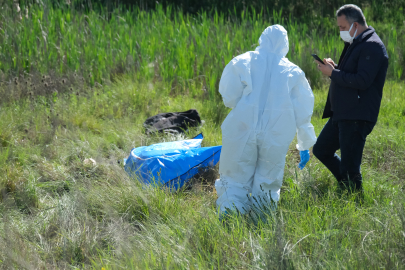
350,137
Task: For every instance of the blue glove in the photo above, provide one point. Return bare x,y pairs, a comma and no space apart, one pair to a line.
304,159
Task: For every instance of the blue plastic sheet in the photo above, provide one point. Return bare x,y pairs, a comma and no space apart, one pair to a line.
171,164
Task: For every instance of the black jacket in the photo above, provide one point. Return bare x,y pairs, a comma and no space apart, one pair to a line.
356,89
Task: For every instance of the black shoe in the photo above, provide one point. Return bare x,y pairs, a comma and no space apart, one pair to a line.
352,183
356,182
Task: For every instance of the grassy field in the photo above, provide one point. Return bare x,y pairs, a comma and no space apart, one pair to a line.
162,45
78,91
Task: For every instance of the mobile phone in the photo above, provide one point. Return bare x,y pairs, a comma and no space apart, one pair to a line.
317,58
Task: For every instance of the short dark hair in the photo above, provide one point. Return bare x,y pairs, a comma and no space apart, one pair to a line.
353,14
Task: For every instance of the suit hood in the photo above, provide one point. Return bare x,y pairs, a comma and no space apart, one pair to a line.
274,39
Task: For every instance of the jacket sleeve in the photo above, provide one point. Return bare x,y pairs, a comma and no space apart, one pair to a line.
369,64
232,83
303,102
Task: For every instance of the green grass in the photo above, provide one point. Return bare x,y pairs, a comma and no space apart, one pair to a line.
57,212
163,45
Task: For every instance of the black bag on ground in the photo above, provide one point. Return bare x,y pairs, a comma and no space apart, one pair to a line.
176,122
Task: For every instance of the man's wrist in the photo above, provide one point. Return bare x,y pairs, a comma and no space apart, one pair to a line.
331,74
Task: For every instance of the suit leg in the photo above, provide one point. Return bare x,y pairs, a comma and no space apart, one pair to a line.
236,170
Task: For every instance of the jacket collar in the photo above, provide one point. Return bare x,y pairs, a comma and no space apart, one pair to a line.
368,32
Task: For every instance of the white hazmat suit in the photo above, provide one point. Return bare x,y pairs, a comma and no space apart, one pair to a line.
271,101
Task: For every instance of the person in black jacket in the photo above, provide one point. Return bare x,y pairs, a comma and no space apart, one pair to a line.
354,97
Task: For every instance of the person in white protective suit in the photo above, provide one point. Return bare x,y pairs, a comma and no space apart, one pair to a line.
271,101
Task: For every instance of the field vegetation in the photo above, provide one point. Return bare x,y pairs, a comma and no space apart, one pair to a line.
78,84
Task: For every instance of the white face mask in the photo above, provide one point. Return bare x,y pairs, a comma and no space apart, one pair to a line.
345,35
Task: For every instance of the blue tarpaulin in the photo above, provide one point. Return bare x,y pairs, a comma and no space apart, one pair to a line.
171,164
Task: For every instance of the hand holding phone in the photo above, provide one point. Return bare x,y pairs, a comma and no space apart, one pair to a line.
316,57
327,67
